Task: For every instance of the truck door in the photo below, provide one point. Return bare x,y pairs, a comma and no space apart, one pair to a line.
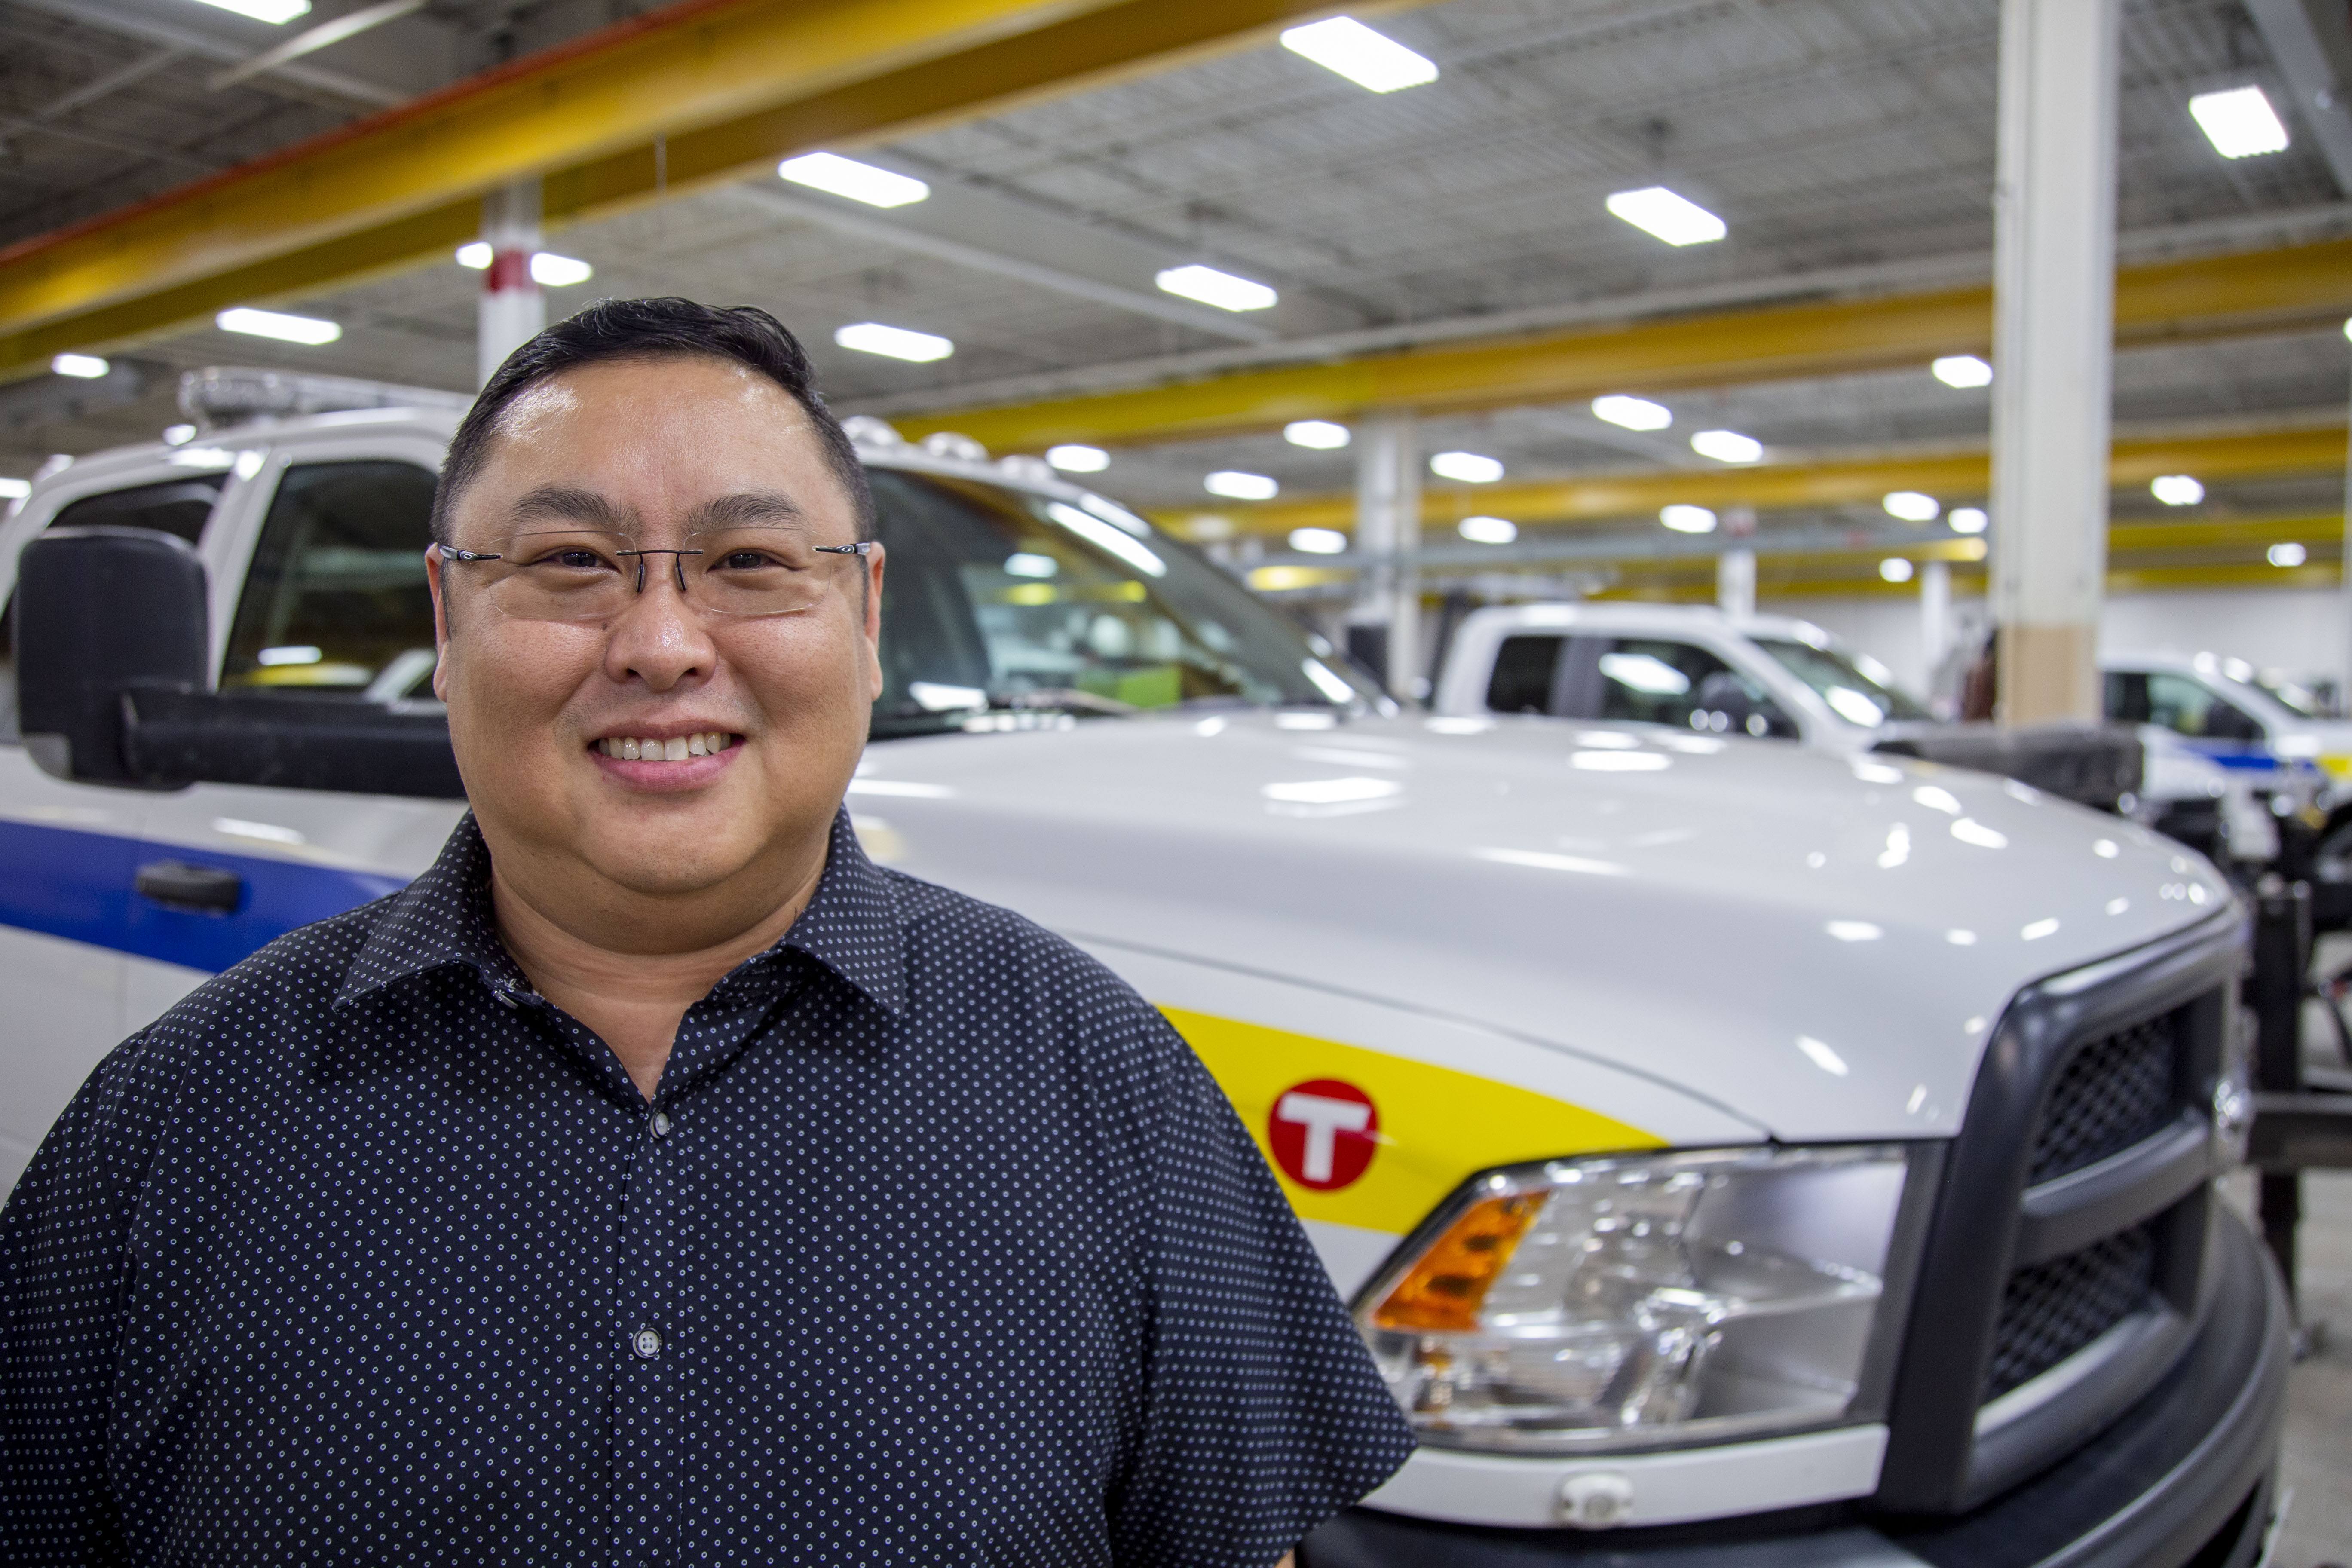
2189,708
333,601
69,856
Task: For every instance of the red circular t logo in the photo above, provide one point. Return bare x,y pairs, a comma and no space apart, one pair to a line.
1323,1132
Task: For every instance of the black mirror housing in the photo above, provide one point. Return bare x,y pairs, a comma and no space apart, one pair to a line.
102,612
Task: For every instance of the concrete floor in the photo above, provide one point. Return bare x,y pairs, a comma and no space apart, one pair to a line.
2318,1461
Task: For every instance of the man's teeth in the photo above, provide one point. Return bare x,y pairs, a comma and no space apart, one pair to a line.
674,749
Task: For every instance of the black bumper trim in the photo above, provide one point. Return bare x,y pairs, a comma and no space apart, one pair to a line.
2151,1493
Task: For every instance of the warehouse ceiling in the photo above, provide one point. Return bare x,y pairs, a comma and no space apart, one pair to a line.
1847,144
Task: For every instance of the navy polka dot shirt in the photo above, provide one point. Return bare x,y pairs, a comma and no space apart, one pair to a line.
937,1246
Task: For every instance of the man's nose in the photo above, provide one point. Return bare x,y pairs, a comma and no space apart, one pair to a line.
660,638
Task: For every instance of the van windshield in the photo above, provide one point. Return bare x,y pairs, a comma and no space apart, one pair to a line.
1856,695
999,601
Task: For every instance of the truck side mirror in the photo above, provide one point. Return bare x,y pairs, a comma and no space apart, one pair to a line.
101,612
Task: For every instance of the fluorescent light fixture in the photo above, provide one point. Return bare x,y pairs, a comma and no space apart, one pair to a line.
1076,459
1911,505
1968,519
302,653
550,270
840,176
1470,467
2241,122
1656,210
274,12
82,367
2289,554
1320,434
475,253
1210,287
178,435
893,343
1684,519
1239,485
1028,564
1894,569
1488,529
1727,445
306,329
2176,490
1318,541
1370,59
14,489
1962,371
1634,413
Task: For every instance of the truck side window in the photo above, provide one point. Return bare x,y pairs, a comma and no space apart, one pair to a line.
2127,697
1525,668
336,599
2192,709
179,506
1653,681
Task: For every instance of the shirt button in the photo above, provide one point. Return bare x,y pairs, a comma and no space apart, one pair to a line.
661,1124
646,1343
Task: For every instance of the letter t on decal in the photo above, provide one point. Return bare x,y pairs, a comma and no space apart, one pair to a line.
1324,1120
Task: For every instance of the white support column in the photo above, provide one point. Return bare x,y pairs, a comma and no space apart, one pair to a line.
1935,618
2344,569
2054,337
1735,569
512,309
1388,530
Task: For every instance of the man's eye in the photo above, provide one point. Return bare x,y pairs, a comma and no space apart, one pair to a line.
747,560
572,560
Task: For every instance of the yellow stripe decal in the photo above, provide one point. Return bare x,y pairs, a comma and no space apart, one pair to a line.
1437,1125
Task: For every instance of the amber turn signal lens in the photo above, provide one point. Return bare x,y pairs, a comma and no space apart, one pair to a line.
1449,1284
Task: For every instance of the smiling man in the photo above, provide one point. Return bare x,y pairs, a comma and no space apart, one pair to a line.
656,1179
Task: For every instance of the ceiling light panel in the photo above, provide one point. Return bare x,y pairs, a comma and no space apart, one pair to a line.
1726,447
1469,468
1963,371
1077,459
1488,529
1968,519
1210,287
2241,122
1912,507
1656,210
1686,518
550,270
2177,489
1633,413
840,176
1318,541
309,331
1370,59
1318,435
893,343
1238,486
82,367
274,12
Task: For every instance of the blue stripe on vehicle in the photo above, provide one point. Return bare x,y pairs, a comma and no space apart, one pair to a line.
74,884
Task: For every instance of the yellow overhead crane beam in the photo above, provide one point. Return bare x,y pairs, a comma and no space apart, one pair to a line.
1949,476
684,96
2143,557
2206,297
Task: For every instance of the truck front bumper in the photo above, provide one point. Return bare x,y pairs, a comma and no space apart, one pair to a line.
2184,1477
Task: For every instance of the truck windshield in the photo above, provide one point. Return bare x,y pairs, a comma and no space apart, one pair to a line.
1001,600
1856,695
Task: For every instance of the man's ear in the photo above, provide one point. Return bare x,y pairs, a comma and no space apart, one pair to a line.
875,560
440,621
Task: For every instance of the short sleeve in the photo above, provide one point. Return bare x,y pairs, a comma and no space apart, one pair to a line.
1263,1413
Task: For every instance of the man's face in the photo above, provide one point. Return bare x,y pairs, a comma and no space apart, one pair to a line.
663,453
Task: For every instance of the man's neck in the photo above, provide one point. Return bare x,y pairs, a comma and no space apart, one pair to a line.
634,999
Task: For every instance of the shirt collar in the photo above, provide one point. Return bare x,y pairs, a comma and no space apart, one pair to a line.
851,926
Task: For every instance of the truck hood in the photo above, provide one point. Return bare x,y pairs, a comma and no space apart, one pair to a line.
1818,945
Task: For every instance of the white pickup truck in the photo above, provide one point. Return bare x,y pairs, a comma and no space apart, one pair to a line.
1725,1148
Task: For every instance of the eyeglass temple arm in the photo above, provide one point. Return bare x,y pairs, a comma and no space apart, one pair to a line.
863,547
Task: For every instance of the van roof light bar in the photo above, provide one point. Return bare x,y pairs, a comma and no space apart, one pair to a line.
220,396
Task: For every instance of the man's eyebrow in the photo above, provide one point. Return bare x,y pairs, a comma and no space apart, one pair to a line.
747,509
568,503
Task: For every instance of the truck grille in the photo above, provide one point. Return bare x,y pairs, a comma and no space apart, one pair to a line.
2113,1092
2053,1310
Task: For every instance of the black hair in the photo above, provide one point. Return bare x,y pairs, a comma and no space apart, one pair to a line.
647,328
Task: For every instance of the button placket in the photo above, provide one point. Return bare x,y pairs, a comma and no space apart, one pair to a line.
648,1430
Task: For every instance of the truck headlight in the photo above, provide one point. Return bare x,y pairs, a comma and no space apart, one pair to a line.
1641,1300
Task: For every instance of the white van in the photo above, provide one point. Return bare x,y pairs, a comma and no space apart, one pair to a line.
1738,1149
1778,678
